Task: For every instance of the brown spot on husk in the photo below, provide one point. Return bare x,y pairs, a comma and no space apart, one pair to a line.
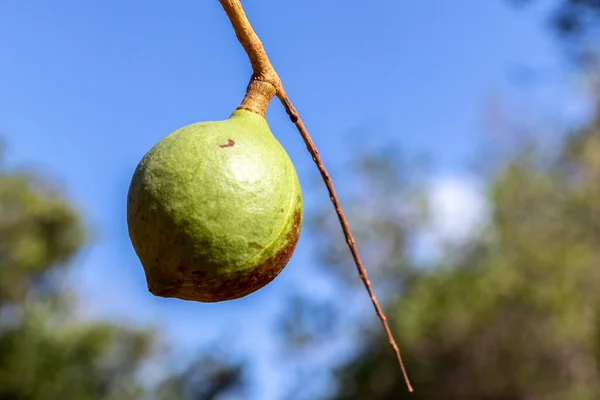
229,143
200,286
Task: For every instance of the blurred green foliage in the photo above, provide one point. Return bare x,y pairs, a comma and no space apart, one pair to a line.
46,351
514,313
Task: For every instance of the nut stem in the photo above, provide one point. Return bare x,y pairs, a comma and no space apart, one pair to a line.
258,96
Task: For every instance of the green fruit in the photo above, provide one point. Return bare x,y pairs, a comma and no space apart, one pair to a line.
214,210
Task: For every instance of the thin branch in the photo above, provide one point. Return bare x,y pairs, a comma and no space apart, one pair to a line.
264,71
261,66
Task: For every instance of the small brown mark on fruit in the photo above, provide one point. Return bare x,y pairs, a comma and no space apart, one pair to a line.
282,210
229,143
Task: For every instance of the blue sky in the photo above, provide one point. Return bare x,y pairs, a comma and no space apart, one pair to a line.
86,88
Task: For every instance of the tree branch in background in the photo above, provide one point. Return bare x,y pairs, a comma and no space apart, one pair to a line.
257,98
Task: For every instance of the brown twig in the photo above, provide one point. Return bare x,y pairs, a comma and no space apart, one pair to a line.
264,73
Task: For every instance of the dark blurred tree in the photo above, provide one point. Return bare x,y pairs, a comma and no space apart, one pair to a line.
46,352
515,312
577,24
208,378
